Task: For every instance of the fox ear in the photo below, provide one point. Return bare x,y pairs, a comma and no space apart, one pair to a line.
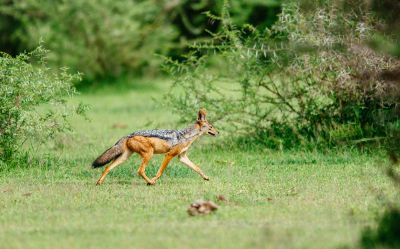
201,116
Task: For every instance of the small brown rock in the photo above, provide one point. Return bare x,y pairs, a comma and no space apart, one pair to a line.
201,207
221,198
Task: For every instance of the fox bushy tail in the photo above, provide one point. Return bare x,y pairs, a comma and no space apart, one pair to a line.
108,155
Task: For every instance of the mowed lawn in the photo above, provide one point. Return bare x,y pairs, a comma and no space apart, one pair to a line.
291,199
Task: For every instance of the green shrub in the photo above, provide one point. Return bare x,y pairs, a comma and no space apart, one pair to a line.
98,38
25,84
309,79
106,38
386,235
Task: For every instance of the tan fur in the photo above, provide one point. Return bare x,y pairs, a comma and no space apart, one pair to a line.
146,147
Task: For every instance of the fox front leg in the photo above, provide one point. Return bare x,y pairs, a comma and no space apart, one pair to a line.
185,160
164,165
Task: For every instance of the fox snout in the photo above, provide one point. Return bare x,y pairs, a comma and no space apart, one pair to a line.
213,132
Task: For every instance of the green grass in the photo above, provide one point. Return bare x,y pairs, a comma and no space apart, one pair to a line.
274,199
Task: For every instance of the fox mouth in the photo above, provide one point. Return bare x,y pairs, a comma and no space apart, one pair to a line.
212,133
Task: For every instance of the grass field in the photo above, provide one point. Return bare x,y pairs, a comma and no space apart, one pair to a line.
274,199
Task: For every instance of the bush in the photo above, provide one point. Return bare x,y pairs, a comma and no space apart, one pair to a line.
386,235
387,232
310,79
106,38
98,38
24,85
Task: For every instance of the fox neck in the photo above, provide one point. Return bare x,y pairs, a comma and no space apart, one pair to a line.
190,133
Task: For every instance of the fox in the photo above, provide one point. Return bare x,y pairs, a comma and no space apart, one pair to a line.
146,143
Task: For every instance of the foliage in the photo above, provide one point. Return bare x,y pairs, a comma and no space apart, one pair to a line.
109,38
191,18
23,87
390,44
387,232
97,38
310,78
388,11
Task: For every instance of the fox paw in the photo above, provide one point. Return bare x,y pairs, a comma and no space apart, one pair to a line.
152,182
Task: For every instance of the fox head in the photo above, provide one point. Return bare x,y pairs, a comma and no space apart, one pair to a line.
203,125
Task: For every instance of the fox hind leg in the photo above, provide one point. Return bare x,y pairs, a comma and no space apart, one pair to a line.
122,158
146,158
